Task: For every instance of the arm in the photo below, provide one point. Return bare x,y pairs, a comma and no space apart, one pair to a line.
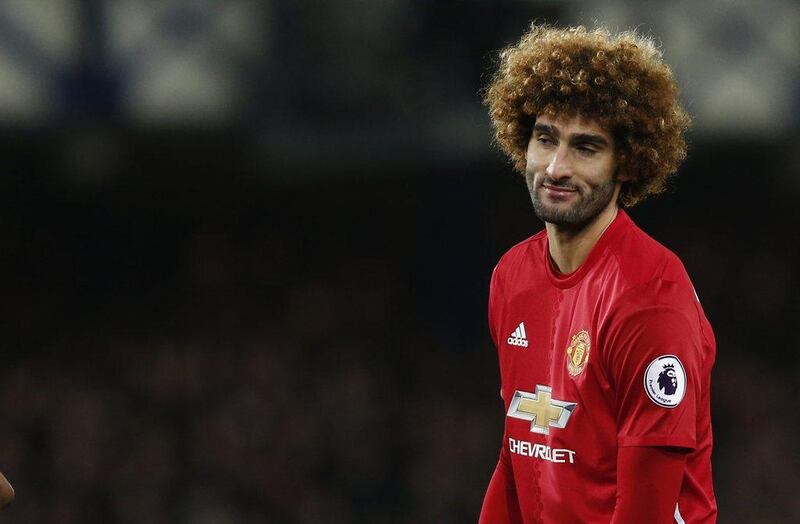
6,492
648,484
656,367
500,506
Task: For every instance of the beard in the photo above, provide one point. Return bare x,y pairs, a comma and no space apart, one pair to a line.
588,205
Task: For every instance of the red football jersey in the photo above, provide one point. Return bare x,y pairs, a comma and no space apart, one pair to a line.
617,353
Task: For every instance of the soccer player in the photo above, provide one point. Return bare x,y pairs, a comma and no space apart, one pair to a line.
605,353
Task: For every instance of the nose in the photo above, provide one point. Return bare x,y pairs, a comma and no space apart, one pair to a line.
559,166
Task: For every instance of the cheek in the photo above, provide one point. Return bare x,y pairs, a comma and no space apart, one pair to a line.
601,176
535,157
529,179
535,166
534,178
610,169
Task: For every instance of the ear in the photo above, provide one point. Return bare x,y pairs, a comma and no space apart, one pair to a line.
624,176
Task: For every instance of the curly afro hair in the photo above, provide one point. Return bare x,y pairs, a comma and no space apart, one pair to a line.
618,80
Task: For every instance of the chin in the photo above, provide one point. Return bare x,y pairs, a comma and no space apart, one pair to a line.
555,213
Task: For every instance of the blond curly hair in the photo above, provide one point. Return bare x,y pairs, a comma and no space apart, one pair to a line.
619,80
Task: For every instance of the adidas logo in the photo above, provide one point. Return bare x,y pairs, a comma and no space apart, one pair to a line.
518,337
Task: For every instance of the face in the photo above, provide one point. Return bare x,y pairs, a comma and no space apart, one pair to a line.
570,171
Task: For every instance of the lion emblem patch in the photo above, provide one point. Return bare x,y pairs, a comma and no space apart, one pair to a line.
578,353
665,381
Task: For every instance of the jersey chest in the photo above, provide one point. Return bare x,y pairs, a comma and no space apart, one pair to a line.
548,340
555,389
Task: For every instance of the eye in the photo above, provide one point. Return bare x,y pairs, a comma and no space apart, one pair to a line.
545,139
585,150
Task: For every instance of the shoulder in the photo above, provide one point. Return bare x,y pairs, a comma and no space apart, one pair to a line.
521,255
642,259
655,279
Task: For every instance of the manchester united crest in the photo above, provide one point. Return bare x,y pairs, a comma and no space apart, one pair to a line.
578,353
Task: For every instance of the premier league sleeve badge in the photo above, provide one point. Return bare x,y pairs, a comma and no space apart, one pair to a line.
665,381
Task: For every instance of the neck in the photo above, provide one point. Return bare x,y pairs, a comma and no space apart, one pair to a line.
570,246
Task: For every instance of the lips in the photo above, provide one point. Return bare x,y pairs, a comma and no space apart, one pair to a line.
559,191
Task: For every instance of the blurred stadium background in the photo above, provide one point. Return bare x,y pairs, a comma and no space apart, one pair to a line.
246,248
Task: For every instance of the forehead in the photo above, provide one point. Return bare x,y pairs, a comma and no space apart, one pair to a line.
571,125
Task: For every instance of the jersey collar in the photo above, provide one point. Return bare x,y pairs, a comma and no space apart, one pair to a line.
567,280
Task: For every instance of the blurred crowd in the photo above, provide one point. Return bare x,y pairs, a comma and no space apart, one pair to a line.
254,382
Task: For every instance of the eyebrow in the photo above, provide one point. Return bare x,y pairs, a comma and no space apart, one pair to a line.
591,138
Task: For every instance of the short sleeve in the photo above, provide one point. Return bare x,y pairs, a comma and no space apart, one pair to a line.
655,362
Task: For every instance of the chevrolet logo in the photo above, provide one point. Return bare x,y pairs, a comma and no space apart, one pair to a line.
541,409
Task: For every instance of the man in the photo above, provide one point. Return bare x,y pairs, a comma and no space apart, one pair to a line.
605,352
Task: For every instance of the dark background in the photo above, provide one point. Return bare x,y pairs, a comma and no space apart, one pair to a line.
246,251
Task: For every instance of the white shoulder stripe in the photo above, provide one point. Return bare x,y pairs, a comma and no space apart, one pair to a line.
678,517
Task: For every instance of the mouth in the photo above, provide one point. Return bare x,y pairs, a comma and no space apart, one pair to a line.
559,192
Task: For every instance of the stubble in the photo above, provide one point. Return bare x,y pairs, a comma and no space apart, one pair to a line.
588,205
